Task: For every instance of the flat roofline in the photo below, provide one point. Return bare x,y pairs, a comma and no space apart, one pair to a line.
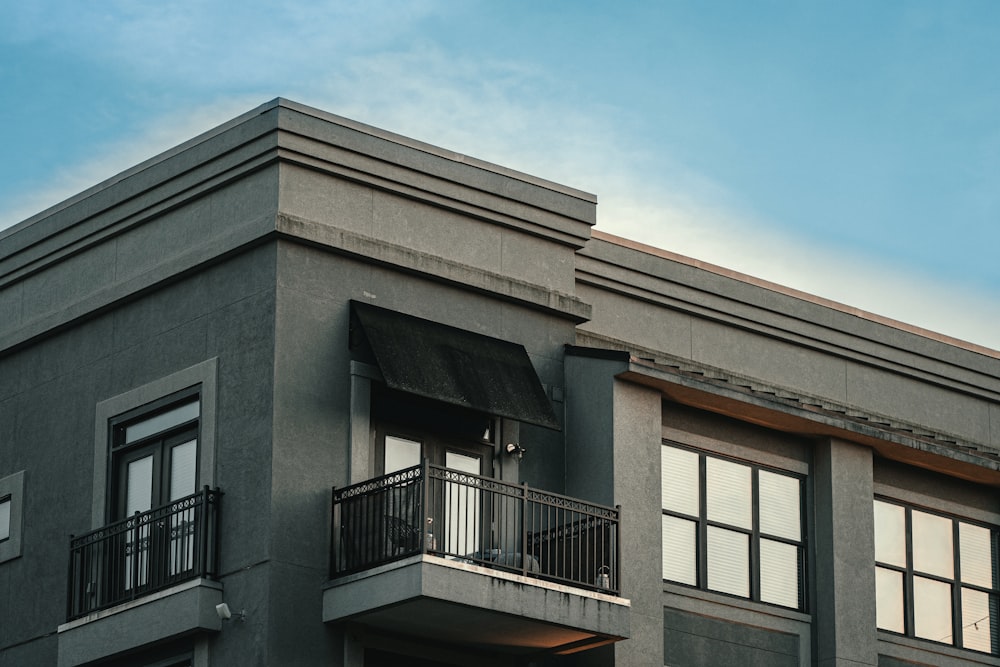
431,149
145,164
794,293
278,103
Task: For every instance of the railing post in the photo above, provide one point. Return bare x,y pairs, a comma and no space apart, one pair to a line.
524,529
618,549
69,583
135,555
216,530
203,533
334,534
425,483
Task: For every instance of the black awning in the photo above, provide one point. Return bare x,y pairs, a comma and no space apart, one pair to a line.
454,365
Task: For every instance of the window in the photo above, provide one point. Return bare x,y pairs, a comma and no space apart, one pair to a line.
935,577
732,527
155,456
138,403
11,503
154,460
4,519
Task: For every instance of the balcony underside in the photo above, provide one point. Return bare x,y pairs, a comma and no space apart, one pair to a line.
185,609
443,600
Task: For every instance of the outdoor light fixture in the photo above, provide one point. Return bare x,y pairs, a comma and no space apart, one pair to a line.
515,450
225,614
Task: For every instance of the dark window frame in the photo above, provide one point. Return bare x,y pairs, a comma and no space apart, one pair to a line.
159,443
955,582
437,426
702,524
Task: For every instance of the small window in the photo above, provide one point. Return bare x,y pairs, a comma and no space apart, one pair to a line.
11,508
4,518
935,577
732,527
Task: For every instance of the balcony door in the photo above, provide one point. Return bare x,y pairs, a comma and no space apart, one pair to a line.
456,505
155,463
409,429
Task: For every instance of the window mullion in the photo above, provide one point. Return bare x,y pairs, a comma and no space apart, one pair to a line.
994,602
956,586
908,622
754,563
702,576
803,540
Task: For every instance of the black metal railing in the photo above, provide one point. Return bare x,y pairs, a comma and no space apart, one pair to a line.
144,553
474,519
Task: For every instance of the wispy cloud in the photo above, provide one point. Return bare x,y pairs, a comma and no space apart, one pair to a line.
157,135
501,110
735,240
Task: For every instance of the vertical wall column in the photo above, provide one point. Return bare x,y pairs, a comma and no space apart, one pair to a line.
638,439
844,572
613,440
359,461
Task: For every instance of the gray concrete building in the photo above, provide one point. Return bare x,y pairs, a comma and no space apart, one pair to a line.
301,391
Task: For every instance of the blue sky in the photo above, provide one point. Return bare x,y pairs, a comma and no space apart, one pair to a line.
850,149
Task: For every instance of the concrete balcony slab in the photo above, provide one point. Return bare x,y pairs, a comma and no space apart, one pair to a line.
447,600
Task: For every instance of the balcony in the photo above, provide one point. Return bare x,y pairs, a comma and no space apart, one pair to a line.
144,579
144,553
449,556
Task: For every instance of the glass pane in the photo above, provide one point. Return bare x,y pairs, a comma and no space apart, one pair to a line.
463,463
779,573
975,555
889,600
183,469
462,519
932,544
779,505
138,498
680,553
727,491
161,422
977,625
679,480
932,610
5,519
400,453
728,561
890,534
139,489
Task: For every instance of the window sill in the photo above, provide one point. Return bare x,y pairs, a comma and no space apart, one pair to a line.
727,603
929,652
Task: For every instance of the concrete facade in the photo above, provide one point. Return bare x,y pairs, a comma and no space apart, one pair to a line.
227,267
